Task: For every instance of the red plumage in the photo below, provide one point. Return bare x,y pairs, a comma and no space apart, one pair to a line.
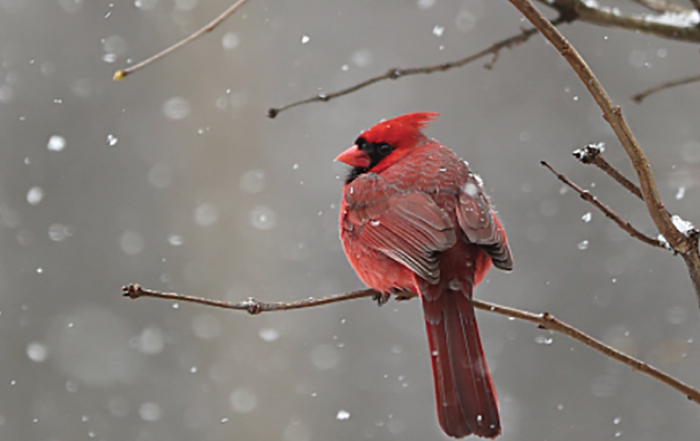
414,217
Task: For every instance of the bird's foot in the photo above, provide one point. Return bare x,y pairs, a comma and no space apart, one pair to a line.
381,298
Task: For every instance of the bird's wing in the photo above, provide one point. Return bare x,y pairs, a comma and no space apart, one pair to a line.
408,227
480,224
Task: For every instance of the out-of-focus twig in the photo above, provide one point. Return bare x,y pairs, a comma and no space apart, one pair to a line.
122,73
544,321
663,86
686,246
609,213
396,73
652,24
591,154
661,6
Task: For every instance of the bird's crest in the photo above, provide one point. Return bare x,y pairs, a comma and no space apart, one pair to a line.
402,127
415,120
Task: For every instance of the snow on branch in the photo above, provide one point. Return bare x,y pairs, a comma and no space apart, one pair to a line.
676,24
686,246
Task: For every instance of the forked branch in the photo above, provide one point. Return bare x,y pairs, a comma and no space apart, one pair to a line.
673,25
609,213
592,154
396,73
687,246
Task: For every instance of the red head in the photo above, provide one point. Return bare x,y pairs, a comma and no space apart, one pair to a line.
384,143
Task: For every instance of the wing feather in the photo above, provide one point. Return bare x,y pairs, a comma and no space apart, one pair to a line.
409,228
480,224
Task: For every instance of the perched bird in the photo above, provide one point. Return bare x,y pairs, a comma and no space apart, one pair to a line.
415,218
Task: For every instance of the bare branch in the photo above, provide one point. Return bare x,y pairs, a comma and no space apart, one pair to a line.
592,154
668,85
549,322
692,260
609,213
396,73
657,25
613,115
661,6
544,321
569,10
250,305
122,73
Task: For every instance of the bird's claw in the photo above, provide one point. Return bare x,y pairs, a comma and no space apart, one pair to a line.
381,298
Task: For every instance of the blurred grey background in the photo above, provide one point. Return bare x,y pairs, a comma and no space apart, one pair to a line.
175,178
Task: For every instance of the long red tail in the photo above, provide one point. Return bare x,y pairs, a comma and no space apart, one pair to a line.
465,397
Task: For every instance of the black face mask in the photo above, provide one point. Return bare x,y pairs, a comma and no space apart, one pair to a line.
376,152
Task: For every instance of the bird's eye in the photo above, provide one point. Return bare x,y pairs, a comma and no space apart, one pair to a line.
363,145
385,149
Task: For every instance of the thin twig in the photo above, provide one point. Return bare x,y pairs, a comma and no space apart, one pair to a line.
592,154
396,73
661,6
651,24
547,321
122,73
544,320
613,115
609,213
250,305
663,86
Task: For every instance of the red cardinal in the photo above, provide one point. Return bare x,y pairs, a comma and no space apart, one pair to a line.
415,218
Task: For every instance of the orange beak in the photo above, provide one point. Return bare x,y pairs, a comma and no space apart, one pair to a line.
354,157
